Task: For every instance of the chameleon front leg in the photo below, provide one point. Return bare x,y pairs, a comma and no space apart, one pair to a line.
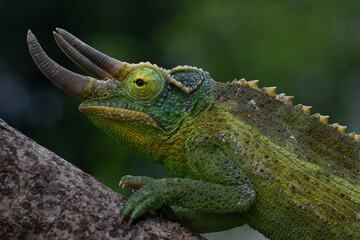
197,195
216,187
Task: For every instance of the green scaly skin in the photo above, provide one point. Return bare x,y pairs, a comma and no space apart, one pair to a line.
235,154
234,141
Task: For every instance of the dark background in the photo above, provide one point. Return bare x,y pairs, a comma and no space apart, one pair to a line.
307,48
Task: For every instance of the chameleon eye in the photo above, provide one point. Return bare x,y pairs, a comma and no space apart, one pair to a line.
139,82
144,84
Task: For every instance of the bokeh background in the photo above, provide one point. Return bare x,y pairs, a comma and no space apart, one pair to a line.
307,48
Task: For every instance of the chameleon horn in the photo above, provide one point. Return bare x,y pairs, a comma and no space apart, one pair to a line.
66,80
91,60
79,59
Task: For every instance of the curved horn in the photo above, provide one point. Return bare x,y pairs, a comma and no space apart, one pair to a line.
66,80
79,59
106,63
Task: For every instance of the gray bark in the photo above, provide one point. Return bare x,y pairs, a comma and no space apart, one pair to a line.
42,196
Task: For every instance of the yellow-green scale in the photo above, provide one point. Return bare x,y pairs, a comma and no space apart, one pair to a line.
293,194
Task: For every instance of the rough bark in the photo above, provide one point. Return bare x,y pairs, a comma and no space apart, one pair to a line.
42,196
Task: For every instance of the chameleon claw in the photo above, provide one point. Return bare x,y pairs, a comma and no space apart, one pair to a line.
120,183
122,218
130,221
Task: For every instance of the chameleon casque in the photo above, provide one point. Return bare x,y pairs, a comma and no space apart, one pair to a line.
236,154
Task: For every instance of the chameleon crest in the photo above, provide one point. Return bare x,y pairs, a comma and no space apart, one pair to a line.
236,154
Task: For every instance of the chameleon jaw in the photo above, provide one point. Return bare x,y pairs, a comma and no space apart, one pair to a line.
120,114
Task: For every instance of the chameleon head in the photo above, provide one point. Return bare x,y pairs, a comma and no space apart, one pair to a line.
140,104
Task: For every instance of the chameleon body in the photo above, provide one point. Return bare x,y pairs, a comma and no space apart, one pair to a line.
236,154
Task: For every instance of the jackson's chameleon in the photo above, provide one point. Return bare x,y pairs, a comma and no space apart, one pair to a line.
236,154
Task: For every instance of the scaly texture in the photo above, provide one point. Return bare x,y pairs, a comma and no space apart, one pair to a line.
237,154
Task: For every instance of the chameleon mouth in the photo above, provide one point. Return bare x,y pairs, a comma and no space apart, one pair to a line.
120,114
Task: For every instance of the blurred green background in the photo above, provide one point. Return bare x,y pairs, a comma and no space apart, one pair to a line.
307,48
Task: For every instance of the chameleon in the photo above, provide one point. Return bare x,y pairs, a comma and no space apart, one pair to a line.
235,154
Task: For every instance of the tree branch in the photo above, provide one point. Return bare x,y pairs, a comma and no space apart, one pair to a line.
42,196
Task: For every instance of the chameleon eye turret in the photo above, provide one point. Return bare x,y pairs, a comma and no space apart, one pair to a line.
144,84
